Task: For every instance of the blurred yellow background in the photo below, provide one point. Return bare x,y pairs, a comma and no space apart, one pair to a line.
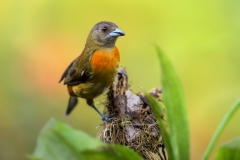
38,40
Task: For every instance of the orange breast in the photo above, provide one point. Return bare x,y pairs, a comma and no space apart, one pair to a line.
105,59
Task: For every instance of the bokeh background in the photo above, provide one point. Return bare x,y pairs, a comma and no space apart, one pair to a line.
39,38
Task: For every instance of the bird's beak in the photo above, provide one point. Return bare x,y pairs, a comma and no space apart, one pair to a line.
117,32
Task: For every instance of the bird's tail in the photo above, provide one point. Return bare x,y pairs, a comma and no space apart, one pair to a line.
72,102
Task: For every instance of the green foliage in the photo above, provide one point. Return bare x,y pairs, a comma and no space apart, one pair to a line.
219,130
229,150
61,142
177,139
157,109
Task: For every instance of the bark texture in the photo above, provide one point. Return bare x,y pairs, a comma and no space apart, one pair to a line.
135,125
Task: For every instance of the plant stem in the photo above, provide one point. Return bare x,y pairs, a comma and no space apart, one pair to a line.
220,128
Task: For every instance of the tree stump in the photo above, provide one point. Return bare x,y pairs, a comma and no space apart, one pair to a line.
135,125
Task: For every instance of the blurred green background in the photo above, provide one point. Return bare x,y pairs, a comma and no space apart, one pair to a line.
39,38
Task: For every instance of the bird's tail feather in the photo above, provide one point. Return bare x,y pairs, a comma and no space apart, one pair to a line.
72,102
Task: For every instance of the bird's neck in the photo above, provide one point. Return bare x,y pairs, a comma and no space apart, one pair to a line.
96,44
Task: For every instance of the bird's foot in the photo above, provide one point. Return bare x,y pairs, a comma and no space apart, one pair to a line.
108,118
122,72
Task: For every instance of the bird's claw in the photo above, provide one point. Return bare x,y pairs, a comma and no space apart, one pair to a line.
109,118
111,115
122,72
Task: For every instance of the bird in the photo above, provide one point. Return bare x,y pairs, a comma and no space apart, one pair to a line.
94,70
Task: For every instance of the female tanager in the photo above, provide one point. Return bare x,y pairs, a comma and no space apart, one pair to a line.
93,71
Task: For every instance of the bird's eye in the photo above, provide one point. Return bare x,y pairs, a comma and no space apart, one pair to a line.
104,29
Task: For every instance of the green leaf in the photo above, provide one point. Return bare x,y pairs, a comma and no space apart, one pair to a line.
59,141
111,152
173,99
220,128
229,150
158,112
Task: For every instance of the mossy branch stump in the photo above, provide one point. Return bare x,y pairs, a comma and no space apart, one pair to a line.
135,125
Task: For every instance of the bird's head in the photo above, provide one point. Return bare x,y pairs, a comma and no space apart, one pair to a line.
105,34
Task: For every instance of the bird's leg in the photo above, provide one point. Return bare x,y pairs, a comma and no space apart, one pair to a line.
104,118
